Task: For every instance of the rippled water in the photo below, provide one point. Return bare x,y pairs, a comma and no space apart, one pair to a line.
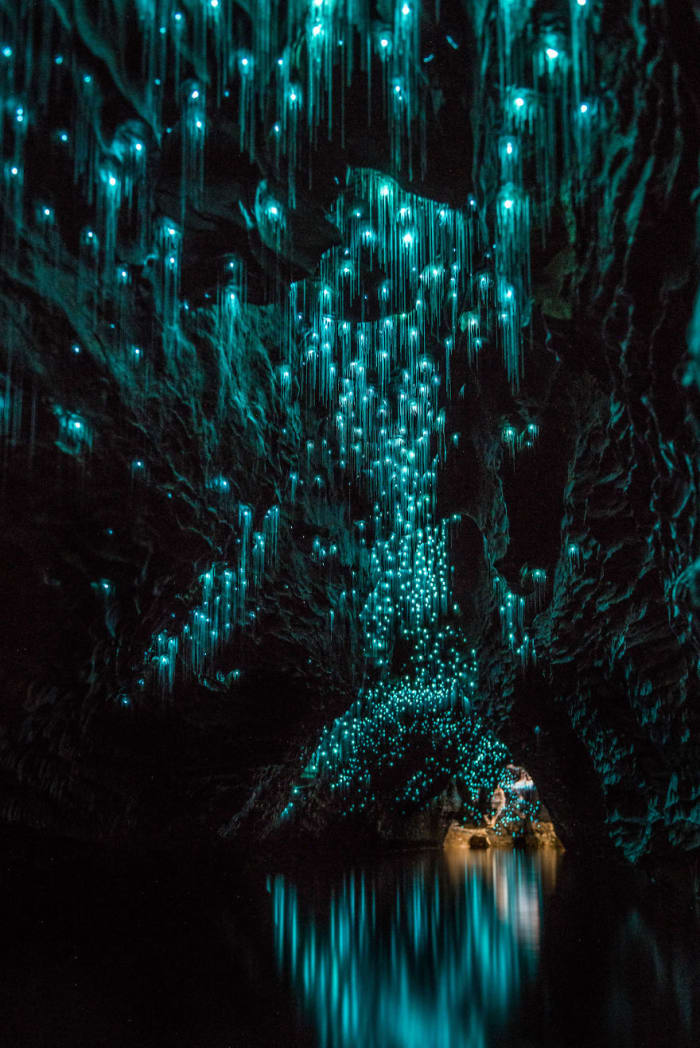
485,949
470,950
428,952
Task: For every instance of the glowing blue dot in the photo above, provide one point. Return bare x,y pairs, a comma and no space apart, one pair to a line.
7,52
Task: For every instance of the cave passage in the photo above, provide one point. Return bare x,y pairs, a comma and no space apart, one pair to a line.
349,374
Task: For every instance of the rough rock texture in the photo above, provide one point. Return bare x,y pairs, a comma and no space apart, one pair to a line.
606,720
541,835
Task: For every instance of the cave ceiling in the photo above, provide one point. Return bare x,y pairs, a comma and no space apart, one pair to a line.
336,334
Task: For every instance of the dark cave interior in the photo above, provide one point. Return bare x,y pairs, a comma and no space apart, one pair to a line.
348,420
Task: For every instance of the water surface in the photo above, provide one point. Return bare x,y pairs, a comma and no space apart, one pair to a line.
414,952
425,950
479,949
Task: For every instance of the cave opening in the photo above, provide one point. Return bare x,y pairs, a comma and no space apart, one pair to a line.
349,369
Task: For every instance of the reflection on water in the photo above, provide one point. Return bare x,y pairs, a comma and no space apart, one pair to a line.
476,949
432,953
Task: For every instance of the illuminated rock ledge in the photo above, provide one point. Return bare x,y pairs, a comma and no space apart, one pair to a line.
541,835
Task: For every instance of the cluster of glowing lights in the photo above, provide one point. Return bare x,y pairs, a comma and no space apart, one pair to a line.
228,596
380,385
547,114
371,365
516,611
403,741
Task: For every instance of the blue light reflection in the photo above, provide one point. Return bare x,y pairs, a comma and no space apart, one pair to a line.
433,953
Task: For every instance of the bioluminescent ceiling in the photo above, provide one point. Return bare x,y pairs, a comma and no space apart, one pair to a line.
338,334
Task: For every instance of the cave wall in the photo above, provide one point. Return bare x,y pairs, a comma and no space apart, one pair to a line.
109,529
